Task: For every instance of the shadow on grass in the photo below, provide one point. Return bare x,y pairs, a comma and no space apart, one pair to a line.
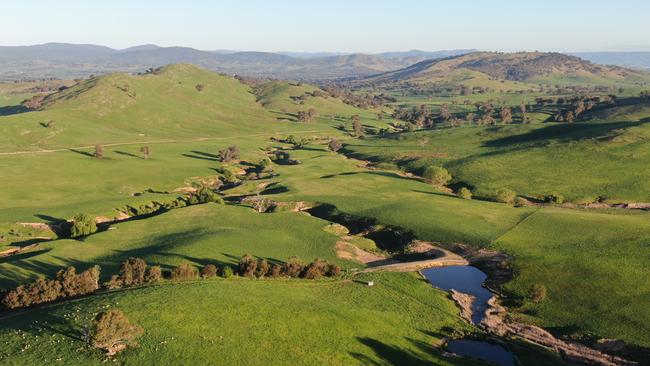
563,132
13,109
394,355
128,154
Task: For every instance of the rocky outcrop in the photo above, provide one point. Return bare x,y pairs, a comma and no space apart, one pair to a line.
464,302
497,322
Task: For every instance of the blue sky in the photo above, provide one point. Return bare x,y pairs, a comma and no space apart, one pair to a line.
332,25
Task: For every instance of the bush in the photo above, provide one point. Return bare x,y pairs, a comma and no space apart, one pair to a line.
82,225
263,268
247,266
276,270
520,202
316,269
184,272
209,271
505,195
293,267
537,293
205,195
555,198
132,272
66,284
73,284
229,154
437,175
113,332
154,274
334,270
227,272
464,193
334,145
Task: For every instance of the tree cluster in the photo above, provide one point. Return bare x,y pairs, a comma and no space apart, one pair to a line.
67,283
251,267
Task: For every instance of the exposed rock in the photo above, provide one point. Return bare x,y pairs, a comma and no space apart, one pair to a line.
497,322
464,302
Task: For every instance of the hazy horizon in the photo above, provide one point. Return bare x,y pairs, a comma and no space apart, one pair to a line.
334,26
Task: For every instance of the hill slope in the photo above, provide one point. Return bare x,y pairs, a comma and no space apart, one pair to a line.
529,67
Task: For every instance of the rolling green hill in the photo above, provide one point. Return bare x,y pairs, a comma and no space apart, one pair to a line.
511,71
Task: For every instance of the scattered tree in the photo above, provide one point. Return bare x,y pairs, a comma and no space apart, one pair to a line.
145,152
113,332
184,272
82,225
334,145
464,193
99,151
537,293
437,175
208,271
229,154
505,195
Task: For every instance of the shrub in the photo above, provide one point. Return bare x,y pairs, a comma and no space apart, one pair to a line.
520,202
334,145
229,154
334,270
132,272
247,266
205,195
184,272
82,225
437,175
153,274
293,267
73,284
555,198
505,195
209,271
276,270
227,272
464,193
316,269
66,284
263,268
537,293
113,332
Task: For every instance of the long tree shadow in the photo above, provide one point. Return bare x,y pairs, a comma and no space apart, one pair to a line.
13,109
394,355
125,153
199,157
562,132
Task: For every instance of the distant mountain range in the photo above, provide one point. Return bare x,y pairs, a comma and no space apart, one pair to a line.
61,60
637,60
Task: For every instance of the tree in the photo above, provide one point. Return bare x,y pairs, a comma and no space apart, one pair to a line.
356,125
199,87
470,118
570,117
113,332
316,269
464,193
334,145
293,267
82,225
208,271
227,272
537,293
184,272
132,272
505,195
506,115
444,112
153,274
229,154
263,268
145,152
437,175
99,151
247,266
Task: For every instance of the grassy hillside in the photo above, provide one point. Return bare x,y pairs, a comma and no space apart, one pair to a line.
490,69
166,105
199,235
252,322
582,161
